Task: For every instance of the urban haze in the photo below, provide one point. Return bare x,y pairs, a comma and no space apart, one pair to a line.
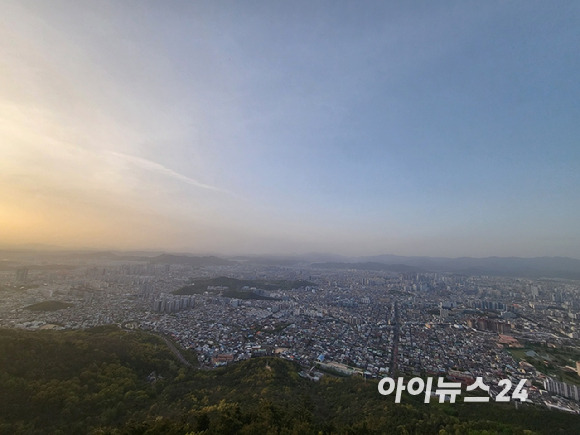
244,215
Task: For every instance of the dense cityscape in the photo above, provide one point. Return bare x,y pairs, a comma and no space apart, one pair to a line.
299,217
333,322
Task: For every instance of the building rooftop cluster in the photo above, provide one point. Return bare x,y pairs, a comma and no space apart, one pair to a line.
377,323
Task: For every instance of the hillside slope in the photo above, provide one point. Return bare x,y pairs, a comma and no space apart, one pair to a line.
108,380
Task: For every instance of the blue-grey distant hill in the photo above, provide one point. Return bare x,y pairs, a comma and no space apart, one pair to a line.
538,267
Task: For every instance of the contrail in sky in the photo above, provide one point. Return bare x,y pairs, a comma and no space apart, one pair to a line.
160,169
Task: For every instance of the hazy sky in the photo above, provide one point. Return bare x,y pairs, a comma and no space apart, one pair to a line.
413,128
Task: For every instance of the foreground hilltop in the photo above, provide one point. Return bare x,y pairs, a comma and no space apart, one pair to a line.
108,380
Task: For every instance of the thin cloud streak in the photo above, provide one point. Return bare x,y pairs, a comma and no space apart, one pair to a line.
433,130
160,169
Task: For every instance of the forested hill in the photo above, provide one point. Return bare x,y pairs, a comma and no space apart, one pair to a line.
110,381
200,285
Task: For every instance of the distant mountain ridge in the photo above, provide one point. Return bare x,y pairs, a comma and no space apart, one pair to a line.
368,265
537,267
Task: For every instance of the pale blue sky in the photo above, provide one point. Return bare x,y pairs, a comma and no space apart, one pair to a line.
415,128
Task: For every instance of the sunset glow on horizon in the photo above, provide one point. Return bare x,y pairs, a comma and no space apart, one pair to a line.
443,129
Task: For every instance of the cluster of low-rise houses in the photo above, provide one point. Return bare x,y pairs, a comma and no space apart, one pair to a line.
346,321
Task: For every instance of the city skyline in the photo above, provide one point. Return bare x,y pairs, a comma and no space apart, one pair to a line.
443,130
